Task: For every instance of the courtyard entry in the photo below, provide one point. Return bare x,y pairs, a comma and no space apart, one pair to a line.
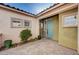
55,28
64,25
50,27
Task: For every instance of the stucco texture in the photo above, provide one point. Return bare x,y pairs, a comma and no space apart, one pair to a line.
13,33
67,35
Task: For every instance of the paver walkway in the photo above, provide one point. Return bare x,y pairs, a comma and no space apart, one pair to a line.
40,47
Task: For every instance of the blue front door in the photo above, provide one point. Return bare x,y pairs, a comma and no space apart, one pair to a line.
50,29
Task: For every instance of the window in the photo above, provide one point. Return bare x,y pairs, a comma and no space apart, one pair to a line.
70,21
19,23
26,23
15,22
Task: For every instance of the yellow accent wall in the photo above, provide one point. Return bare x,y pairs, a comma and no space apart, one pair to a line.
55,27
67,35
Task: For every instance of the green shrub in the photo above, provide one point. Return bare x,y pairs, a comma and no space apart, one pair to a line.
7,43
25,34
39,37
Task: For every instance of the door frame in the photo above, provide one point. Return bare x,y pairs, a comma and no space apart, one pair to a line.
44,31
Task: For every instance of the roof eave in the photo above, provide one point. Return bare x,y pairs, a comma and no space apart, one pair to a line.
29,14
50,9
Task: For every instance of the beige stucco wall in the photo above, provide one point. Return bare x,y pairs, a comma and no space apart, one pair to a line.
13,33
67,36
55,27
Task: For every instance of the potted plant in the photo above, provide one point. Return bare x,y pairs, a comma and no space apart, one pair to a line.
7,43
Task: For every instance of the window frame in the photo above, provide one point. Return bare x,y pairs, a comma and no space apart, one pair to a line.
29,26
16,19
68,15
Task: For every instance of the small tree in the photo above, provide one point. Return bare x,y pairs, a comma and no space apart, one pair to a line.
25,34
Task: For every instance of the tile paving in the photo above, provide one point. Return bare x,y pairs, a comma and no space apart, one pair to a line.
40,47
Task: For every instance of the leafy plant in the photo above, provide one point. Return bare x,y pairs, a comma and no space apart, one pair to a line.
7,43
25,34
